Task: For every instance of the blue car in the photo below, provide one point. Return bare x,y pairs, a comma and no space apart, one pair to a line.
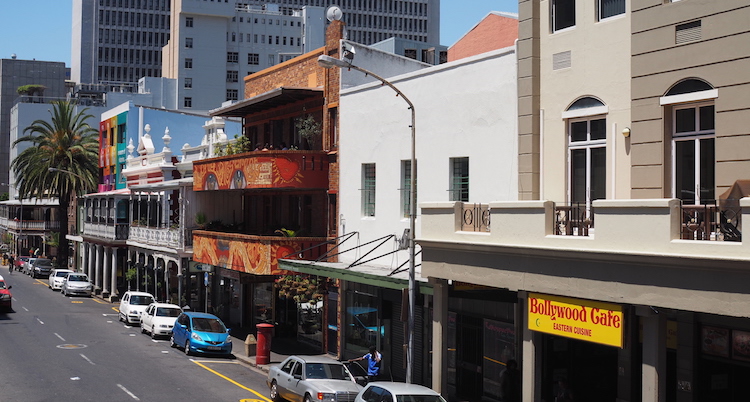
201,333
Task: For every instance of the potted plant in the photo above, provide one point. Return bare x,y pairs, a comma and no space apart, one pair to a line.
201,220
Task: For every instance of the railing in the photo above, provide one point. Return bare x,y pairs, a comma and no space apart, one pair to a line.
158,236
110,232
573,220
29,225
710,222
475,218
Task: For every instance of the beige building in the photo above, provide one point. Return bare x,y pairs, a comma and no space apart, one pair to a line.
624,252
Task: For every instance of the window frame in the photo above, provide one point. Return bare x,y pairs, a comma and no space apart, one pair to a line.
459,184
589,145
599,11
696,136
368,190
553,16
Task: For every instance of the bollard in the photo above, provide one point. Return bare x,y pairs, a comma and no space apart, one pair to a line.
250,345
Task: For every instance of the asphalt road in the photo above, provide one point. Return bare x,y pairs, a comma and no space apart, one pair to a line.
55,348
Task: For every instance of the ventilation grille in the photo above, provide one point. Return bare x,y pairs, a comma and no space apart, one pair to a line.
689,32
561,60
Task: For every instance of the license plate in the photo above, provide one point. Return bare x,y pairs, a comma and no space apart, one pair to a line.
213,348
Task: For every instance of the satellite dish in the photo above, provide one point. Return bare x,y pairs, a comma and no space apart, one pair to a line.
334,13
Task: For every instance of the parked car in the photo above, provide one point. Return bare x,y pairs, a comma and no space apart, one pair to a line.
57,277
159,318
6,298
202,333
41,267
397,392
309,378
76,284
27,265
20,261
132,305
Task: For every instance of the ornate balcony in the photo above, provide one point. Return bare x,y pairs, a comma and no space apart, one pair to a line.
253,254
106,231
169,237
263,170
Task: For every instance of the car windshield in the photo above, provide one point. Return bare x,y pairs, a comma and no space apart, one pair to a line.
419,398
324,371
62,274
42,262
78,278
139,300
167,312
2,285
208,325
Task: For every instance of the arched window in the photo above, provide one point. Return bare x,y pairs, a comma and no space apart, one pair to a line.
587,151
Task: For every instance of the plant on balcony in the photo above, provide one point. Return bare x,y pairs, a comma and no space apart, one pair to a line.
201,220
242,144
301,288
309,129
287,232
31,90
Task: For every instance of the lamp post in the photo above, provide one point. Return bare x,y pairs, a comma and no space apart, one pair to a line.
326,61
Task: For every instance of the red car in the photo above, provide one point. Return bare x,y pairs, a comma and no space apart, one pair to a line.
19,261
5,296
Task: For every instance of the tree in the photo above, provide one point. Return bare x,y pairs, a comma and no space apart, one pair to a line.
67,143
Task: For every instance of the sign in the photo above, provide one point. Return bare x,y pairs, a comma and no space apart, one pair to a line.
205,279
578,319
198,267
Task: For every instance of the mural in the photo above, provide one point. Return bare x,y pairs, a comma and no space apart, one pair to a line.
254,171
259,257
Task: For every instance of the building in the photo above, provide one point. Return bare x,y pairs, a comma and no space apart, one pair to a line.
424,52
624,254
495,31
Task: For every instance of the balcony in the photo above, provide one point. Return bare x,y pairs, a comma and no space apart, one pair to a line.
40,226
253,254
168,237
639,227
106,231
263,170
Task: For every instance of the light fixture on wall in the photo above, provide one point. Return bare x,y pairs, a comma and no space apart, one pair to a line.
626,132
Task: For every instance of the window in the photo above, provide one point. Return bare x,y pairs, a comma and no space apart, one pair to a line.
563,14
189,22
233,57
410,53
271,60
189,43
188,83
253,58
587,154
232,94
188,102
232,76
459,186
694,156
609,8
406,188
368,189
188,63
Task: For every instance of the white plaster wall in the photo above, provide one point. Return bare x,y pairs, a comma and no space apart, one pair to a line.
463,109
600,67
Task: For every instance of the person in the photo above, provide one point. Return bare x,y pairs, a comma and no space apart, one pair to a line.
373,363
11,262
564,394
510,382
7,261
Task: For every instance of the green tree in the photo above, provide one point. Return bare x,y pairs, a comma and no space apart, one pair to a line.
67,143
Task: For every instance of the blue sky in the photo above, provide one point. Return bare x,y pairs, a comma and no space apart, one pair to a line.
40,29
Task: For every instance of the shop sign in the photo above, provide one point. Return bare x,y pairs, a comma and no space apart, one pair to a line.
198,267
574,318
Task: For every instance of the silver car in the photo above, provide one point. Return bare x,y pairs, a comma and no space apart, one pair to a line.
311,378
397,392
76,284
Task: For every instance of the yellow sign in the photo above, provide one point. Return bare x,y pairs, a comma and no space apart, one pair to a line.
579,319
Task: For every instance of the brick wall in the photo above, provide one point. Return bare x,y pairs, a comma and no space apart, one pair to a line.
492,33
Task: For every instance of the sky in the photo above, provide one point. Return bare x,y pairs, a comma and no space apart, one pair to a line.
41,29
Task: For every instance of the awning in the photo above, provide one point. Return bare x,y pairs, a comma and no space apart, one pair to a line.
375,275
272,99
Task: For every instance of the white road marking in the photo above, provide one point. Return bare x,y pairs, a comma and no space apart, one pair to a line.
40,321
132,334
75,378
110,322
128,392
61,338
87,359
165,351
25,308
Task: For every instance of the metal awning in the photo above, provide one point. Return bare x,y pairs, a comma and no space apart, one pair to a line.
274,98
374,275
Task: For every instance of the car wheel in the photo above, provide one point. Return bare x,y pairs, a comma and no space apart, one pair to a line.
275,392
307,398
187,348
153,334
171,342
143,329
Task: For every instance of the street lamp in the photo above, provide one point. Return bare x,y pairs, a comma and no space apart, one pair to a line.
326,61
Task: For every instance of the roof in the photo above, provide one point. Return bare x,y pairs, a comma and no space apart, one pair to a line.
166,305
197,314
280,96
317,359
404,388
132,292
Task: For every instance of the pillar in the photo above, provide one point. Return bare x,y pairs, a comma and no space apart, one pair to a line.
106,271
85,259
113,275
440,335
531,360
654,367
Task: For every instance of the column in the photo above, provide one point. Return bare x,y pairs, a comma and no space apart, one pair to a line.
113,275
440,335
654,367
531,361
97,268
105,271
85,259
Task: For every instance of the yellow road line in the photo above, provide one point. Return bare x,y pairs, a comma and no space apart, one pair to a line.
231,380
98,301
76,302
115,308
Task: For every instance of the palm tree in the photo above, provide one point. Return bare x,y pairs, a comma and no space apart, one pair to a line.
67,144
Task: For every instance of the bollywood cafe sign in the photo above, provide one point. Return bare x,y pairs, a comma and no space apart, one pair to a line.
578,319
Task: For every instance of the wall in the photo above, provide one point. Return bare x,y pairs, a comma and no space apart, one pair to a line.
494,31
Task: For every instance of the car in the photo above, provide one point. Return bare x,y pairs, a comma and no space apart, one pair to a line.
6,298
41,267
57,277
201,333
311,378
20,261
132,305
27,265
159,318
76,284
397,392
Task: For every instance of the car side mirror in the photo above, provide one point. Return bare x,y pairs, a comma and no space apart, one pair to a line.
10,287
297,376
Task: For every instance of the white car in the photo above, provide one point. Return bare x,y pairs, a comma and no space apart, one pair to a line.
159,318
76,283
311,378
57,277
397,392
133,304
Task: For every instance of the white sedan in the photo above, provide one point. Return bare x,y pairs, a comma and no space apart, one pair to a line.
159,318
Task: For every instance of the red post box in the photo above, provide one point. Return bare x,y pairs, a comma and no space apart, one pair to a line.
263,355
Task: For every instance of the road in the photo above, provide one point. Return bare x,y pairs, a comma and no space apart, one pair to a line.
57,348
